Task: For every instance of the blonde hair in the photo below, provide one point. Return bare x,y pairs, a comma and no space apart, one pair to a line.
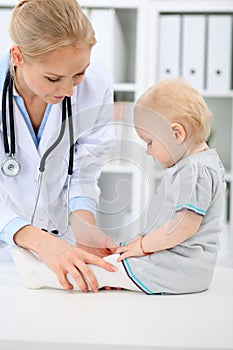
41,26
178,101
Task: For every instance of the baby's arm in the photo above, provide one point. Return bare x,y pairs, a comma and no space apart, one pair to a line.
173,232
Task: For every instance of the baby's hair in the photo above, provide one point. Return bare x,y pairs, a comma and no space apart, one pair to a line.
178,101
41,26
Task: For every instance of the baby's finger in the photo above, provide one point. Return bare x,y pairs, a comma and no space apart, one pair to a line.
124,256
121,250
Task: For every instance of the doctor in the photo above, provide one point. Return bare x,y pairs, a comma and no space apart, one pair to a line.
49,60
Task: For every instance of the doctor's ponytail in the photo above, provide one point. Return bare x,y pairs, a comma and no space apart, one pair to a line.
41,26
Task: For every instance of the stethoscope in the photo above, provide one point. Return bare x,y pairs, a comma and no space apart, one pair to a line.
11,166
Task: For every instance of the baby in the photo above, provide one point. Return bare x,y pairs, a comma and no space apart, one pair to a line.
177,252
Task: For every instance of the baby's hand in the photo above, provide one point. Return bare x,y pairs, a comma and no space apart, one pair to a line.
133,248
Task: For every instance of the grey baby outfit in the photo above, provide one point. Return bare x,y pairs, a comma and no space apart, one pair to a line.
195,183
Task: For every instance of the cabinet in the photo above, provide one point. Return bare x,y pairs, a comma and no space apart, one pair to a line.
199,28
216,85
5,12
123,178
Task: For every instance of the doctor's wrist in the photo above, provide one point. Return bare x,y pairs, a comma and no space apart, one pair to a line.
30,237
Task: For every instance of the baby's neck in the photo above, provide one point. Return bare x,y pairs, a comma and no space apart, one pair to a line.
190,149
196,148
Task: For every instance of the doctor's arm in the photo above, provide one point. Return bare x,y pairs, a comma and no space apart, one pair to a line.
94,142
86,191
89,237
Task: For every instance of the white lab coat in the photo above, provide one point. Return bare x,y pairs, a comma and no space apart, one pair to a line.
91,106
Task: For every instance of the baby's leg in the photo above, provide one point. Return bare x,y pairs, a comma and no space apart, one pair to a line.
115,279
36,274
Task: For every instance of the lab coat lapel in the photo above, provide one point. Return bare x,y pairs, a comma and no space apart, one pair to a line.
52,128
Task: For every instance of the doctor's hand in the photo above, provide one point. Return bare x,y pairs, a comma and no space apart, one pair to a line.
90,238
95,241
62,258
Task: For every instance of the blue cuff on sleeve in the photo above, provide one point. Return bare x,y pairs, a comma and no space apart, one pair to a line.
83,203
191,208
11,228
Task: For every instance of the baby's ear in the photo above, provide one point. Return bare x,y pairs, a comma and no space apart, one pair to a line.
178,133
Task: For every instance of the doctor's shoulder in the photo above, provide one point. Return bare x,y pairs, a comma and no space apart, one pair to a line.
94,90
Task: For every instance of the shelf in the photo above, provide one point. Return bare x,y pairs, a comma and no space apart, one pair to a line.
125,87
209,94
112,3
118,168
199,6
8,3
228,176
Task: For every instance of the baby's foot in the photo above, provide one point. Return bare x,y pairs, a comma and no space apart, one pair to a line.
33,271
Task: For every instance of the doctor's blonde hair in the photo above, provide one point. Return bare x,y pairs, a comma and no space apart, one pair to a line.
38,27
177,101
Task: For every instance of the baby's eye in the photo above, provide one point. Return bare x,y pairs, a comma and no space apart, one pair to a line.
149,143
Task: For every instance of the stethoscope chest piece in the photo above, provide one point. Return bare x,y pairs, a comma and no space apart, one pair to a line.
10,166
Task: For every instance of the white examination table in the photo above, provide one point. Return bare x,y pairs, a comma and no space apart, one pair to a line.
110,320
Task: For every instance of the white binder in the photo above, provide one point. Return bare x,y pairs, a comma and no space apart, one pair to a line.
219,53
193,49
5,42
169,46
110,50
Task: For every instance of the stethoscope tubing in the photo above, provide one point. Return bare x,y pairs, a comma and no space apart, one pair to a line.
66,107
10,150
8,83
39,183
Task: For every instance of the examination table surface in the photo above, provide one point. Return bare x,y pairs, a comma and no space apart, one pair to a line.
111,320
